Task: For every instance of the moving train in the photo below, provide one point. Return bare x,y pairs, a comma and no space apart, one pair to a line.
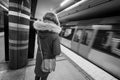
92,30
100,44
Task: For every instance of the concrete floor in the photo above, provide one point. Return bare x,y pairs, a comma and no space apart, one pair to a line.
64,71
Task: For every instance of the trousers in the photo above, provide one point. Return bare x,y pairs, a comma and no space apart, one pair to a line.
42,78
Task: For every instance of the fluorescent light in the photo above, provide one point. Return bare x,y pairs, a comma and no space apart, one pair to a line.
3,7
64,2
102,27
76,4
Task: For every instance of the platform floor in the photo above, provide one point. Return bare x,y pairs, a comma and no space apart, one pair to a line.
64,71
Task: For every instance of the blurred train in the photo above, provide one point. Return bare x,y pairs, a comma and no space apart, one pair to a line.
92,30
100,44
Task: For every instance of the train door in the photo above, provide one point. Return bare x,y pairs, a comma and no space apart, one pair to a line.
76,39
86,41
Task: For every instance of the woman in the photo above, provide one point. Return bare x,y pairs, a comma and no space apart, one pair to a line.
48,33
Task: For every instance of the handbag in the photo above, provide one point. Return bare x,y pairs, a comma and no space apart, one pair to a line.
48,65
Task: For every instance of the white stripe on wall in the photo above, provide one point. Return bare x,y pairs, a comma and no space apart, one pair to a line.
19,42
19,14
116,39
11,4
18,48
18,29
15,25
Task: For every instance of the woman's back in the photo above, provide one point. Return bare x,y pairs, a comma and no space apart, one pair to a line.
50,43
48,38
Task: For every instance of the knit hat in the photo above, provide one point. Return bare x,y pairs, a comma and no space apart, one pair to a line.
52,17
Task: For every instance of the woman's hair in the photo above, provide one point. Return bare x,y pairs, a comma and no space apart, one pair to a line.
51,16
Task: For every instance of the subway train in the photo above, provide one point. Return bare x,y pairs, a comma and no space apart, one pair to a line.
92,30
100,44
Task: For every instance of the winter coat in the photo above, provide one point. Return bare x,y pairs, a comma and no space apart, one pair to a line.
49,36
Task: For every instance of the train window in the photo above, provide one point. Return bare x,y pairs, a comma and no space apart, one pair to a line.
77,35
116,43
68,33
108,41
61,33
87,36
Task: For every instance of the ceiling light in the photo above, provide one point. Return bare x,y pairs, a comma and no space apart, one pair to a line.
3,7
75,5
64,2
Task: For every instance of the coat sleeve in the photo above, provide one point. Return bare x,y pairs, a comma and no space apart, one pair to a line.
56,47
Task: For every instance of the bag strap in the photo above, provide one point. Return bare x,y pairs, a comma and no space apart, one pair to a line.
39,44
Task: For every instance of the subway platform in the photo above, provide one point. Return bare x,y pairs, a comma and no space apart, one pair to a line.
65,70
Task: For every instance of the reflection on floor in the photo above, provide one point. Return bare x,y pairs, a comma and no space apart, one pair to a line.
64,71
2,50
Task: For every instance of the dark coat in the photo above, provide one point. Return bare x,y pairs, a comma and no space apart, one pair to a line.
50,45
